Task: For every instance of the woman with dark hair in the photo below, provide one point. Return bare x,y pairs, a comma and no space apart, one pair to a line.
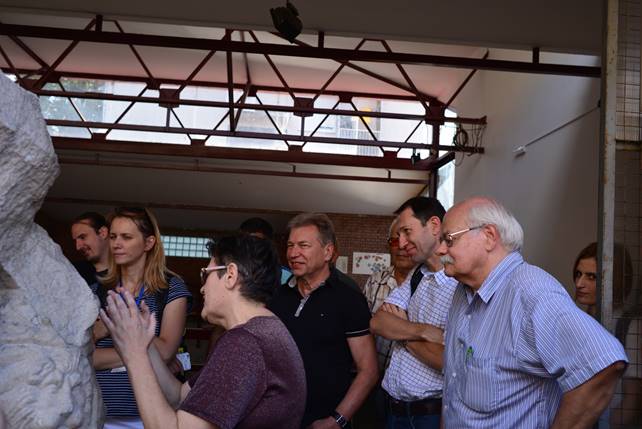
628,328
136,265
585,279
254,376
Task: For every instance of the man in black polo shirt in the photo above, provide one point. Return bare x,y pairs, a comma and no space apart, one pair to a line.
91,236
329,322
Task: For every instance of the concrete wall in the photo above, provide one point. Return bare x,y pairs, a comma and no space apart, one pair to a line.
552,188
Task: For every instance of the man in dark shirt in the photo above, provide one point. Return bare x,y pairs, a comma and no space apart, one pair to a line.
91,236
329,322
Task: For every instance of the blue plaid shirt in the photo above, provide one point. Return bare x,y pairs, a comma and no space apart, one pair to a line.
514,347
407,378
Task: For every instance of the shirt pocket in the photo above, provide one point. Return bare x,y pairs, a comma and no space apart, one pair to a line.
479,385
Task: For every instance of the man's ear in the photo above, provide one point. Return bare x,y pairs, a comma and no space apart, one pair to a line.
435,225
492,237
328,252
149,243
103,232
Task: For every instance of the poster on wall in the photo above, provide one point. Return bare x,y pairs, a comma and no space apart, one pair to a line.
342,264
368,263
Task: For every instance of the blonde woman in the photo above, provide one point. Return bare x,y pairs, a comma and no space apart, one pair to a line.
137,265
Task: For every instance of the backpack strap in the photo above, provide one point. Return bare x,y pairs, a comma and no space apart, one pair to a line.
416,278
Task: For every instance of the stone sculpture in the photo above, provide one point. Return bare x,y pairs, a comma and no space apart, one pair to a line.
46,309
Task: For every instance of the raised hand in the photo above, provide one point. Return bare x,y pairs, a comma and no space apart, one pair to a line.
132,330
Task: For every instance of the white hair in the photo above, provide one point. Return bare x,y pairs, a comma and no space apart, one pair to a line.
490,212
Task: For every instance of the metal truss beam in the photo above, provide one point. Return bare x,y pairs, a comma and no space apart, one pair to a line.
244,171
261,136
209,84
293,156
169,98
296,51
264,107
155,205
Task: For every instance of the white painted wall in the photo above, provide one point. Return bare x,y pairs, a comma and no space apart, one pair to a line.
552,188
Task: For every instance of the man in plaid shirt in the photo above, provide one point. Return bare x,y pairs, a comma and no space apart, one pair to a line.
377,288
414,316
380,284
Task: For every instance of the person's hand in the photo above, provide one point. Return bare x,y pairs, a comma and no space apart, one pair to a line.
394,310
132,330
327,423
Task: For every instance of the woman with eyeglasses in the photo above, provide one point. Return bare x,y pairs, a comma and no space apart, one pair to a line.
136,266
254,376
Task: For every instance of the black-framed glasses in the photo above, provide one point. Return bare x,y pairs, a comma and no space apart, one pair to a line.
207,270
449,239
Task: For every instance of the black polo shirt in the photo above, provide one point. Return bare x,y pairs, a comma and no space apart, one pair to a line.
332,313
88,272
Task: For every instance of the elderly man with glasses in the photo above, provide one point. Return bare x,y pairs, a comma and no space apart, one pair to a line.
414,316
518,352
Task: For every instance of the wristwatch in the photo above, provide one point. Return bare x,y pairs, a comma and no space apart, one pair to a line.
341,421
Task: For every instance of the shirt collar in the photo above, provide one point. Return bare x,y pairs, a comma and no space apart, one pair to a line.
440,276
293,280
497,276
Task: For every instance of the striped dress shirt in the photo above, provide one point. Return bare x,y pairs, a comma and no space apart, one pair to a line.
514,347
407,378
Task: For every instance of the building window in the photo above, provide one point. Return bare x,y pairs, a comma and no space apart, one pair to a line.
185,247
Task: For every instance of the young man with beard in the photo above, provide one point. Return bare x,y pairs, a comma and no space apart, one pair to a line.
91,236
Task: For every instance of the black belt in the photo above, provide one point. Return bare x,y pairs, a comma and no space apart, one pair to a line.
422,407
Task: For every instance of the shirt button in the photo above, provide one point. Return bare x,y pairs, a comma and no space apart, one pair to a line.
468,315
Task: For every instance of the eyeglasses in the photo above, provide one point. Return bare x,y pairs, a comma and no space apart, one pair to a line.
393,241
449,239
207,270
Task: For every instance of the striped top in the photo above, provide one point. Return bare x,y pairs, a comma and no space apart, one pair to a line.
407,378
116,390
514,347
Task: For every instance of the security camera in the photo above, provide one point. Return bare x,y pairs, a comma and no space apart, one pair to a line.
286,21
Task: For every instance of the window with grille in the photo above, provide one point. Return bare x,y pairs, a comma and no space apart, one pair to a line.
186,247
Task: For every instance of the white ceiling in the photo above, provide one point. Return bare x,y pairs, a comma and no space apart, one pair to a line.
222,201
568,26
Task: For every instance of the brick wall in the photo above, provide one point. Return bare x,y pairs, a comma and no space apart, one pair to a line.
361,233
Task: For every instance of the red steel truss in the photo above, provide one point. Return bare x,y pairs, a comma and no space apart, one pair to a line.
170,98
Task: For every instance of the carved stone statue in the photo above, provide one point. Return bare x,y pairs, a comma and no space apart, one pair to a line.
46,309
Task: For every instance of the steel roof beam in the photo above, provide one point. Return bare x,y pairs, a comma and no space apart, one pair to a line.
267,88
296,51
261,136
260,106
389,161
